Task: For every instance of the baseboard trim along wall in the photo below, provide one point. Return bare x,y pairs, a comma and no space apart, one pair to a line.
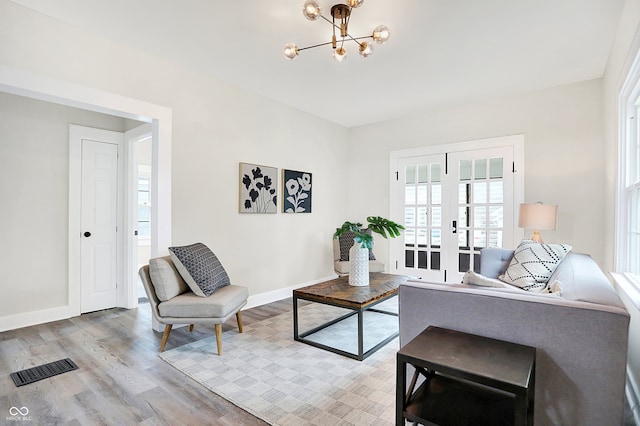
280,294
11,322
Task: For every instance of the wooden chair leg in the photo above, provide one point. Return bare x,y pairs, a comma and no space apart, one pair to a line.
219,338
190,328
165,336
239,318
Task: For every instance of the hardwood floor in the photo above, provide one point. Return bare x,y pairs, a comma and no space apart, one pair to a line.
120,380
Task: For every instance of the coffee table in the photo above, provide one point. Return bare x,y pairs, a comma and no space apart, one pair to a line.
357,300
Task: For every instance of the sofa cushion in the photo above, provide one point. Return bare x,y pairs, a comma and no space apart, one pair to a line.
166,279
225,301
200,268
533,264
584,281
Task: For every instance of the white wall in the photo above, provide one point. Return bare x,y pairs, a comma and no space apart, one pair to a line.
215,126
564,150
34,194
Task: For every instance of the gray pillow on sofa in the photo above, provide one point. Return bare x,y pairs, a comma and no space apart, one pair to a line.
200,268
166,279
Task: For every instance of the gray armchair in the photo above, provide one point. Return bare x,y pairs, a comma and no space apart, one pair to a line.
173,303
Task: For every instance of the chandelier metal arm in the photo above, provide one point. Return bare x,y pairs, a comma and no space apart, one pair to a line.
347,34
330,42
315,45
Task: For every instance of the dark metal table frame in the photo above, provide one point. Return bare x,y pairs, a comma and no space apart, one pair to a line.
356,309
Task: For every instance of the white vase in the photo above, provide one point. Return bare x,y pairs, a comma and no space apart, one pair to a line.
359,265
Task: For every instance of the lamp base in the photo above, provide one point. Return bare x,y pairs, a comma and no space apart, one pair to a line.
536,237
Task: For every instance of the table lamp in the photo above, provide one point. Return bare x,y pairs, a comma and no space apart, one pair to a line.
538,217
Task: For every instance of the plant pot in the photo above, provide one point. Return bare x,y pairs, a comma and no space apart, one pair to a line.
359,265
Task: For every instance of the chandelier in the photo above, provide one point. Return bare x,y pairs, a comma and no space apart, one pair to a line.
340,15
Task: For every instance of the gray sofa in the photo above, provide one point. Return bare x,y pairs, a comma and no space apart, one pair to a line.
581,337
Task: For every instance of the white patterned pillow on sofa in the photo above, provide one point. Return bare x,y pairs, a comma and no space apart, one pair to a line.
533,263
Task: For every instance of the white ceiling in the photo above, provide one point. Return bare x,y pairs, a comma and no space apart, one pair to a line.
441,52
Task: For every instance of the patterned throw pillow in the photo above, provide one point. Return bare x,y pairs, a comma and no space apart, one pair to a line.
200,268
346,242
533,263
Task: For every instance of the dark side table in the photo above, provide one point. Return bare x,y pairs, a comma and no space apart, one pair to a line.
464,379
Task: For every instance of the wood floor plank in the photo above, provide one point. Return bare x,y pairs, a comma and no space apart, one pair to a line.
121,379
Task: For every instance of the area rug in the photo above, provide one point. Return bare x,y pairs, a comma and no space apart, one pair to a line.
284,382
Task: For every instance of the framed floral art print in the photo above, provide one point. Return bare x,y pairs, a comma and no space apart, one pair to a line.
297,191
258,189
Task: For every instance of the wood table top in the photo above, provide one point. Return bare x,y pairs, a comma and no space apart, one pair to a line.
338,292
496,361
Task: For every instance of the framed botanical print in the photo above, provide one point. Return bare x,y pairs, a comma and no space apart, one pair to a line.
258,189
297,191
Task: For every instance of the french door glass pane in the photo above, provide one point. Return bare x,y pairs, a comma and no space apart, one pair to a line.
481,193
436,217
423,194
480,171
495,168
409,216
436,194
496,192
422,215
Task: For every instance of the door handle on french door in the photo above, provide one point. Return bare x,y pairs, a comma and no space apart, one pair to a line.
454,226
87,234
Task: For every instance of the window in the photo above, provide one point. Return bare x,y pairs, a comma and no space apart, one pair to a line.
628,215
144,208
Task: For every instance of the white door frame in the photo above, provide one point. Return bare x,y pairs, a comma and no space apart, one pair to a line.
37,86
131,212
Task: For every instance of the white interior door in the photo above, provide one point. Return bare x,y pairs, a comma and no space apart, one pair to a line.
420,246
99,221
452,204
481,192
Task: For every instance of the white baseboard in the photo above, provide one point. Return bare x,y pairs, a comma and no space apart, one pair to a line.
11,322
281,293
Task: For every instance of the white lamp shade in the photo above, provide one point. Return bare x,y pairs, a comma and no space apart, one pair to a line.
538,216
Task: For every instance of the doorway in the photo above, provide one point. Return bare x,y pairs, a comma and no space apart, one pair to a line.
140,147
37,86
454,200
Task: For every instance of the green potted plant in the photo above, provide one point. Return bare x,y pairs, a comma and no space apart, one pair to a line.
363,242
377,224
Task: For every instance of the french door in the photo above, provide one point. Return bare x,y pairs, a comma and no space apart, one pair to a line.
452,204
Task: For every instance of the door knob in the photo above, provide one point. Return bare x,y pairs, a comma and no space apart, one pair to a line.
87,234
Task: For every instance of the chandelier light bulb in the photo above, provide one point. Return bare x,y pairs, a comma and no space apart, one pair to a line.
311,10
290,51
381,34
355,3
340,54
366,49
